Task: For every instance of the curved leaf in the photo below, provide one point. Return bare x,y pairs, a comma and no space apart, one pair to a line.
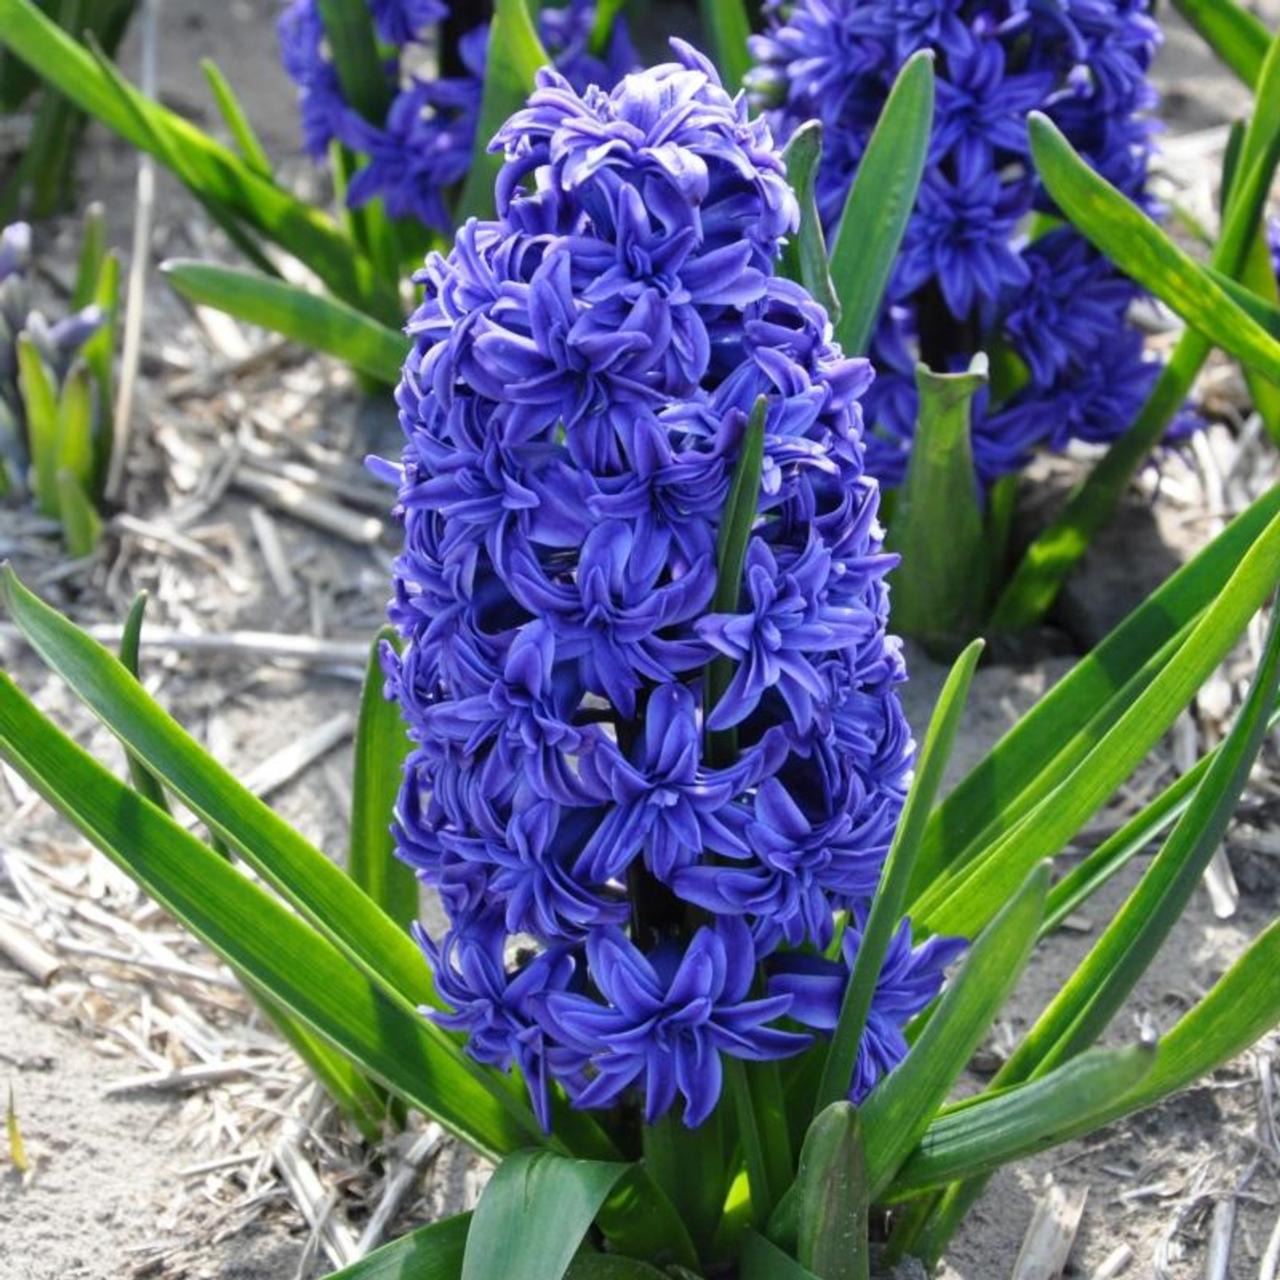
880,201
321,323
533,1215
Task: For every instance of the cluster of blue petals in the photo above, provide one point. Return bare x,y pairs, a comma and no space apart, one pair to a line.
421,150
582,374
977,270
58,342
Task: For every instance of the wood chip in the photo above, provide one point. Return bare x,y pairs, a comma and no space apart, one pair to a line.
257,644
273,553
1116,1262
1047,1244
1220,1233
309,1194
290,761
309,505
23,950
398,1186
1271,1258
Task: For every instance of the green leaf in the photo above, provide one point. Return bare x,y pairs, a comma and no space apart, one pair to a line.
1138,246
380,749
1075,888
349,1089
429,1253
534,1213
641,1221
217,174
727,27
804,257
81,524
760,1109
321,323
74,450
1241,1008
40,407
99,354
1085,1005
890,897
690,1167
235,118
1266,313
515,56
833,1198
1045,744
607,12
880,202
93,249
264,940
763,1260
899,1110
968,896
348,26
1234,34
937,523
974,1140
145,783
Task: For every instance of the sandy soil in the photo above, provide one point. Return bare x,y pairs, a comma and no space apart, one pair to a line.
113,1192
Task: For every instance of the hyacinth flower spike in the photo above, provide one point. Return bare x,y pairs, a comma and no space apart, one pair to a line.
574,408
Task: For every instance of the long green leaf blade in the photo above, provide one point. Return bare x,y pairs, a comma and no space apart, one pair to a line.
40,403
219,176
833,1197
380,749
515,56
1054,735
1047,828
1085,1005
1233,33
144,781
1143,251
1052,555
429,1253
804,259
318,888
81,524
727,27
1075,888
534,1214
234,116
890,897
348,24
975,1140
880,202
321,323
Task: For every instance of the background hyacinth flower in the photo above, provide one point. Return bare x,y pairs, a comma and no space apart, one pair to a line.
574,407
55,385
417,153
985,265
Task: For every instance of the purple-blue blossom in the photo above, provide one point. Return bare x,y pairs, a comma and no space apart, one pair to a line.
975,272
909,979
583,371
415,157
